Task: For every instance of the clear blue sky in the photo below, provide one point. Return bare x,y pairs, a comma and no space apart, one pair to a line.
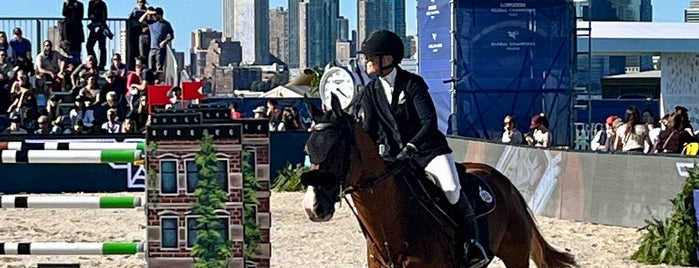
188,15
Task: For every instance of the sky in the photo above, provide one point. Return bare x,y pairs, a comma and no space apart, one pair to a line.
189,15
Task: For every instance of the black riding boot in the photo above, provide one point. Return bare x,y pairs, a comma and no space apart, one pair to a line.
474,253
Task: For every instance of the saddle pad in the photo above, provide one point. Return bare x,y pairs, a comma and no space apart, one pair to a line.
479,194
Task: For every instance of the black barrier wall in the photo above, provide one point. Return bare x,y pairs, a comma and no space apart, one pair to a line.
613,189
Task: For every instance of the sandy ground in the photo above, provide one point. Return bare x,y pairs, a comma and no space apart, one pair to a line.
296,242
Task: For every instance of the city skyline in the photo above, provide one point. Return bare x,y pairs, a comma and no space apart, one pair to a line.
186,19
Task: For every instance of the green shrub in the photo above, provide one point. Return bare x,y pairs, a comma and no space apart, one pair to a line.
673,241
289,179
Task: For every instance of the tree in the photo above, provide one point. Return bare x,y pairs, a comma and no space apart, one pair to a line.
673,241
253,234
315,83
211,248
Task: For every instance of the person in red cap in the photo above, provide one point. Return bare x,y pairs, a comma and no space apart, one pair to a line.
602,142
541,135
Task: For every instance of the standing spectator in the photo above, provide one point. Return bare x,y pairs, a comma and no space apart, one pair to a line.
681,111
5,44
22,52
631,136
161,34
138,32
97,13
511,135
7,72
541,135
47,67
602,142
673,139
73,33
235,114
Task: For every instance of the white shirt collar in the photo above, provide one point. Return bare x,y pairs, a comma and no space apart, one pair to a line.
391,77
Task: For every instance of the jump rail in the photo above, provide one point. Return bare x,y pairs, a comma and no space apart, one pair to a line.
70,202
64,248
51,145
70,157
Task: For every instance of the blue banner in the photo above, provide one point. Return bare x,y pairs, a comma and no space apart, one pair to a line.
434,53
513,58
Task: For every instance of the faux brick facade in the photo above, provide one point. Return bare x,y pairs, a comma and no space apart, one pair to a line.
169,205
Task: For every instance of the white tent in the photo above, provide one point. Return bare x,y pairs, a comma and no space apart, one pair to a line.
287,91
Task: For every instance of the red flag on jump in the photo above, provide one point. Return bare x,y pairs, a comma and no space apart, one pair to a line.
157,95
190,90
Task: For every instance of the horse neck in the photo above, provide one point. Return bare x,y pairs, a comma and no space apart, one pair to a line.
381,208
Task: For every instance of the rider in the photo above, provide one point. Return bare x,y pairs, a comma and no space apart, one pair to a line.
398,113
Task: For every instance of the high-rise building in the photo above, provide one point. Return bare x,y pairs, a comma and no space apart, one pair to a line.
201,39
293,60
691,14
319,19
222,53
279,33
247,21
373,15
343,29
343,50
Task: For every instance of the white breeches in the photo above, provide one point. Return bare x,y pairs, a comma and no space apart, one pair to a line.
444,169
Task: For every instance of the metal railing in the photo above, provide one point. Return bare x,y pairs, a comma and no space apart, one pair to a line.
39,29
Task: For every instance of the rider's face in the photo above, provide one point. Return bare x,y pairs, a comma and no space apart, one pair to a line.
372,64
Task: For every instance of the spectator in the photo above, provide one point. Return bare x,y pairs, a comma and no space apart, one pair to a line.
175,97
648,117
76,128
291,121
602,142
45,126
15,126
141,114
684,117
47,67
65,74
24,104
511,135
138,81
160,78
111,102
161,34
97,13
5,44
672,140
22,52
82,111
235,114
541,135
112,125
83,71
53,112
139,43
90,90
7,72
631,136
259,112
73,33
129,126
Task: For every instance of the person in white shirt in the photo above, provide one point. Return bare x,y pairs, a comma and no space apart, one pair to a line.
603,139
541,136
112,125
511,135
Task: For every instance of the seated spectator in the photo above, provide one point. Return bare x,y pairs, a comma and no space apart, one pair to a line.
83,111
602,142
511,134
22,52
647,117
112,125
24,104
235,114
45,126
138,81
7,73
160,78
47,66
90,90
85,70
673,139
140,114
76,128
65,73
175,96
684,117
541,135
291,120
259,112
631,136
53,112
14,127
129,126
117,68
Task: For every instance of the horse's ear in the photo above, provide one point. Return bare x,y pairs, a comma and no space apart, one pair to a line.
312,109
336,106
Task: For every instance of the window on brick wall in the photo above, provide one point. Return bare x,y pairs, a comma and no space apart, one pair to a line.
193,229
168,176
168,232
192,170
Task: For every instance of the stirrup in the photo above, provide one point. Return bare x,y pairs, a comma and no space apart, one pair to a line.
481,261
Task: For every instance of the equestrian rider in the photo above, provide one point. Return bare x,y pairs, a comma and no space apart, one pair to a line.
398,113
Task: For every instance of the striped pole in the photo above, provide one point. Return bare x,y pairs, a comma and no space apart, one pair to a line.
50,145
63,248
70,157
85,202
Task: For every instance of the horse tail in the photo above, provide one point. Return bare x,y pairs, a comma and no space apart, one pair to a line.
541,252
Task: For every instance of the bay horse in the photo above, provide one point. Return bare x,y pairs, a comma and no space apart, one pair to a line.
345,160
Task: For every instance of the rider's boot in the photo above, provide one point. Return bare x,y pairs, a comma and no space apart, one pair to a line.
474,254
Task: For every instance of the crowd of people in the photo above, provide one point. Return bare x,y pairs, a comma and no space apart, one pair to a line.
107,96
280,118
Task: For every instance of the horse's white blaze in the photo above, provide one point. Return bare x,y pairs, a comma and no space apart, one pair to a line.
309,200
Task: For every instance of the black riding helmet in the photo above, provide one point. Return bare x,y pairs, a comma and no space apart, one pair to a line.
383,42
